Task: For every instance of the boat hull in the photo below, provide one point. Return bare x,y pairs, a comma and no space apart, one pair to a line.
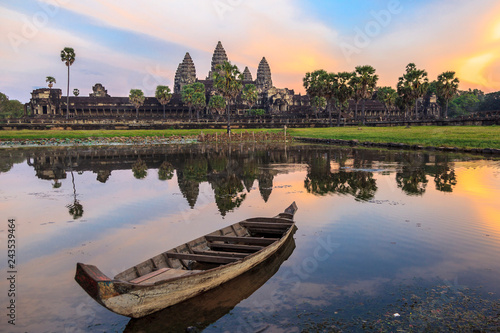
139,300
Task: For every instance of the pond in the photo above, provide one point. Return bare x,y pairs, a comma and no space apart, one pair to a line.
386,240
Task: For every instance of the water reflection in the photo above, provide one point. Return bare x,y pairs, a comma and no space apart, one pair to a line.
232,172
392,216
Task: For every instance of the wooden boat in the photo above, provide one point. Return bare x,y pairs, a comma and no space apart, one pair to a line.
201,311
189,269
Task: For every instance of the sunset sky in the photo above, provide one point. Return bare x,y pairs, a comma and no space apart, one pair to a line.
131,44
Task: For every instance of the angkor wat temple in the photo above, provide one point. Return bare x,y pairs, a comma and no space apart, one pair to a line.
47,102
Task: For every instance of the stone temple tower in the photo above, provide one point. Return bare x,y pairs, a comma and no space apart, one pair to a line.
218,58
264,80
185,74
247,76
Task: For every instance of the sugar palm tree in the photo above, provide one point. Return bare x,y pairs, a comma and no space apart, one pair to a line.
228,82
137,99
416,82
250,95
367,82
187,97
322,84
405,96
163,95
50,80
419,84
343,90
199,103
68,57
318,103
387,96
356,87
217,105
447,86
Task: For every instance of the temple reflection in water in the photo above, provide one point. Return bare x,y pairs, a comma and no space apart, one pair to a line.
233,171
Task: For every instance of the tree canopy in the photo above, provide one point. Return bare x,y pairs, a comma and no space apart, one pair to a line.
10,108
137,99
163,95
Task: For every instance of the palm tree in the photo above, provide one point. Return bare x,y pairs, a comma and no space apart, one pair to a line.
76,208
405,97
322,84
417,82
367,82
318,103
136,97
68,57
187,97
228,82
354,83
343,90
163,95
387,96
250,95
217,103
50,80
447,86
199,103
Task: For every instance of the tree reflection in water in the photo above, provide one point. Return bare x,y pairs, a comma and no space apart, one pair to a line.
166,171
232,170
321,180
140,169
412,181
75,209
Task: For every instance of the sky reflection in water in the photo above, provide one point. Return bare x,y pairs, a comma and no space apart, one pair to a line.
366,218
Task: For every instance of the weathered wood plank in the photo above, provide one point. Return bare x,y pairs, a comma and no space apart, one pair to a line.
245,240
235,247
149,275
202,258
269,220
272,225
222,254
267,231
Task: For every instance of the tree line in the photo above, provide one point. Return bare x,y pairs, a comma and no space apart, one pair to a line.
326,90
335,90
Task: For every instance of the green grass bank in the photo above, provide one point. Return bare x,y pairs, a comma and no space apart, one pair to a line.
449,136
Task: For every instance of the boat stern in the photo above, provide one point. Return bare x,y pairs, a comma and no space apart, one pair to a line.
95,282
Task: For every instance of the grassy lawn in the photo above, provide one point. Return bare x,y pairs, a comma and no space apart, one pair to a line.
448,136
63,134
451,136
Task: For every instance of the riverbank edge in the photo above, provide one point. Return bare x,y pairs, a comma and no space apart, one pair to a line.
395,145
190,140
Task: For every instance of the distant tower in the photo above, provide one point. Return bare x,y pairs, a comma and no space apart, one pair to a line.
185,74
264,80
247,76
218,58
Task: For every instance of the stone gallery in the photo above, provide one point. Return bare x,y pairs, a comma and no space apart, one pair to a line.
47,102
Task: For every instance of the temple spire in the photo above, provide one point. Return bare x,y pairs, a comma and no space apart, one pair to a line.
247,76
185,74
264,79
218,58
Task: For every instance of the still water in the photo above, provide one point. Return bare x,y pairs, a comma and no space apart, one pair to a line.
386,240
